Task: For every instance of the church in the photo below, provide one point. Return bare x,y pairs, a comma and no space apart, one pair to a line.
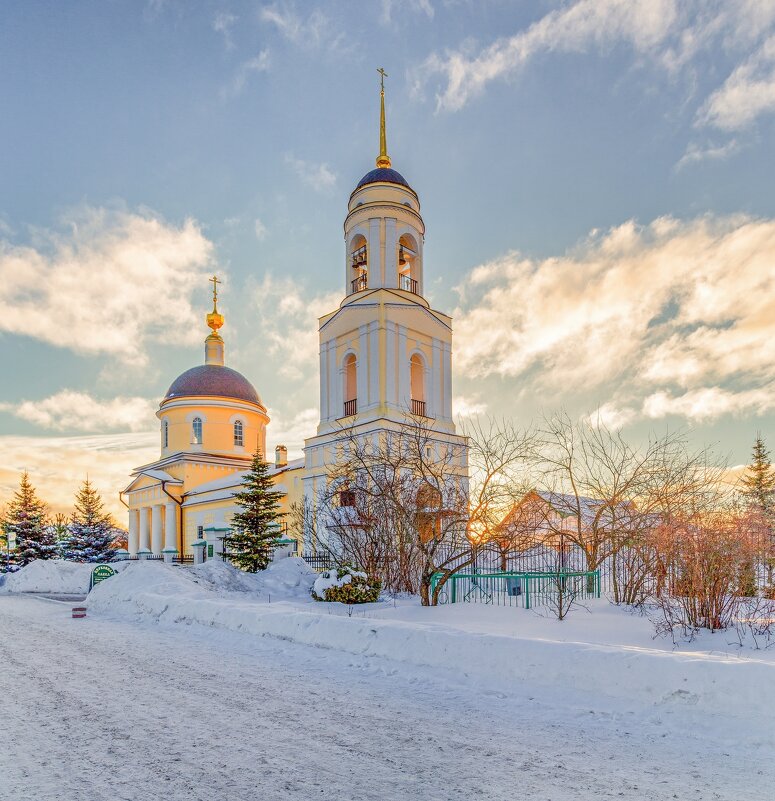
385,354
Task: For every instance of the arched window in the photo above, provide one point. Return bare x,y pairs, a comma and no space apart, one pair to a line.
350,385
408,264
239,439
417,384
359,263
165,434
196,431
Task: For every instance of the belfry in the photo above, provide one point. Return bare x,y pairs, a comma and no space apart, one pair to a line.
385,353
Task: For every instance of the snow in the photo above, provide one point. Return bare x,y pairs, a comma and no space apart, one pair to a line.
607,651
137,710
55,576
331,578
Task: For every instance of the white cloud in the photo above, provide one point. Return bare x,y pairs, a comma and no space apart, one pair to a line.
99,287
311,32
611,416
317,176
696,153
291,432
709,403
467,406
69,410
404,6
675,307
223,23
287,324
260,230
259,63
58,465
746,94
584,25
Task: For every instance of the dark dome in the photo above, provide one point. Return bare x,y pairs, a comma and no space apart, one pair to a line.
213,379
383,175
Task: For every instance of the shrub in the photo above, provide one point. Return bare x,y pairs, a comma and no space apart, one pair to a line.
346,585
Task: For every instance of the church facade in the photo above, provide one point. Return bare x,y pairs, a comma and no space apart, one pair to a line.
385,355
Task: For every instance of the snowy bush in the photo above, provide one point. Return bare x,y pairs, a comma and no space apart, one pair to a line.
347,585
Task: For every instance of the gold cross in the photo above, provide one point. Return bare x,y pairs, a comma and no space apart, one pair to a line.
214,281
382,76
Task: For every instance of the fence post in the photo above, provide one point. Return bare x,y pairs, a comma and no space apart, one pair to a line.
527,592
597,581
453,595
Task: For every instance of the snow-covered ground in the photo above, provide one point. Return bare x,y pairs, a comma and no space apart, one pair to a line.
55,576
140,702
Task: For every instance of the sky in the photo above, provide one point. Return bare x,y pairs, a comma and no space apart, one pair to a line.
595,178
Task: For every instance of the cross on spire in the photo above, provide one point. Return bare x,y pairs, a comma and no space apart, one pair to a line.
383,75
383,160
215,281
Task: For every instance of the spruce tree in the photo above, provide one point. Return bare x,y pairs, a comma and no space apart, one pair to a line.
254,531
759,480
26,524
91,530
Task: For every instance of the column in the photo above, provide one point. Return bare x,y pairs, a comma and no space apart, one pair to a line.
144,531
170,526
156,529
133,539
403,370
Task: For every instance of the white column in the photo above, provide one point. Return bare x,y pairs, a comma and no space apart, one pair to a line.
435,394
363,369
323,380
144,538
447,381
170,526
373,363
391,253
376,254
133,539
156,528
403,370
389,389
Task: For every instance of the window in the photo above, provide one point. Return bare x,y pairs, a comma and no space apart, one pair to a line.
417,385
239,439
359,261
347,498
350,385
196,431
408,267
165,434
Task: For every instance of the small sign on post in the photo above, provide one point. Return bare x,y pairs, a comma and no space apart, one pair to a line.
100,573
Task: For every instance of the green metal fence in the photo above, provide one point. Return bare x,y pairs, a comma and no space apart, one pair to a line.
517,589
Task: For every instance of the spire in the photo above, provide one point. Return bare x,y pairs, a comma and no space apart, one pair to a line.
383,160
214,349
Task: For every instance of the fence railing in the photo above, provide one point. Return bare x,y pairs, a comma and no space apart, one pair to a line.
517,589
319,561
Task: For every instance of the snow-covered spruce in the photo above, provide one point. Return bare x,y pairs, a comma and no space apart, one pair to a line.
346,585
91,531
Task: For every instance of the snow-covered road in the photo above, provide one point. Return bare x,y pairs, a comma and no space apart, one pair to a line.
101,709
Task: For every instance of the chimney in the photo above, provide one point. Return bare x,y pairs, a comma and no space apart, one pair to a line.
281,456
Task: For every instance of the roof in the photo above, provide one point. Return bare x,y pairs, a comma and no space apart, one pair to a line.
213,380
383,175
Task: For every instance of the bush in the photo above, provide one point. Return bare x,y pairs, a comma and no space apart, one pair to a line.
346,585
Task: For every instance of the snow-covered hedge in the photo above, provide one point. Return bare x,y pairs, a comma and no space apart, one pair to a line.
346,585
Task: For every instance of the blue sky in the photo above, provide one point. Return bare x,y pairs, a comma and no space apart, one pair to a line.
595,177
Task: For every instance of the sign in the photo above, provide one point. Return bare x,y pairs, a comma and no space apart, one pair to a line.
210,550
100,573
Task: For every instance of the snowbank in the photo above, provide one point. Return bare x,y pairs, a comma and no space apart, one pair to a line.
50,575
628,673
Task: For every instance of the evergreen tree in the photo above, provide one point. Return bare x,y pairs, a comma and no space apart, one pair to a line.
254,531
25,524
759,480
91,530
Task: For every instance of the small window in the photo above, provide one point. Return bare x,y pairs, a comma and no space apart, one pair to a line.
239,439
200,532
196,431
347,498
165,434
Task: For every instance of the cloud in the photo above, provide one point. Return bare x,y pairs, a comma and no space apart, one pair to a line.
746,94
287,324
260,230
58,465
642,24
223,24
317,176
312,32
411,6
97,286
292,431
467,406
667,34
69,410
696,153
709,403
674,307
259,63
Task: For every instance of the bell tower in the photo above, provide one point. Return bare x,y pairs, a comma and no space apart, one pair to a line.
385,354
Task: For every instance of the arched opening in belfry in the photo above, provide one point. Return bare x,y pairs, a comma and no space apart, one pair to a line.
417,384
408,264
359,263
350,385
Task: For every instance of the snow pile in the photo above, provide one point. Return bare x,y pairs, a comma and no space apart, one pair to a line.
221,576
331,578
289,577
51,575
